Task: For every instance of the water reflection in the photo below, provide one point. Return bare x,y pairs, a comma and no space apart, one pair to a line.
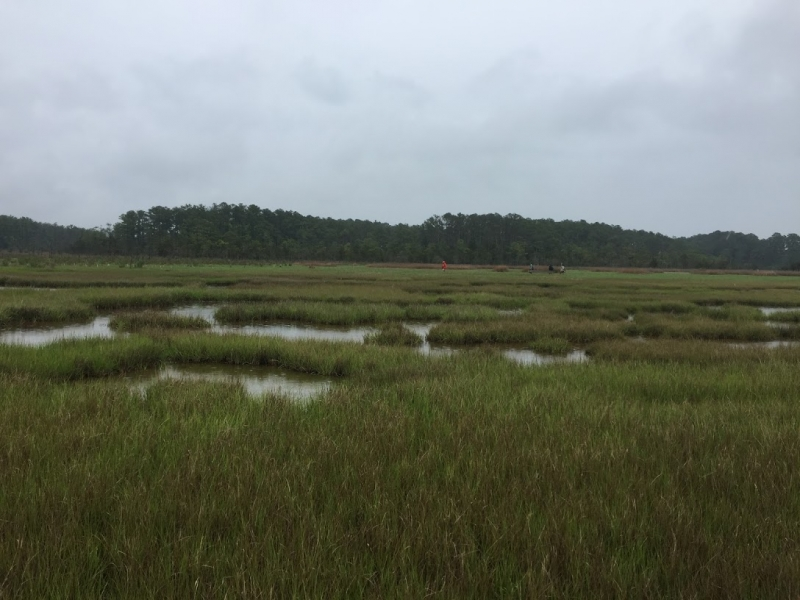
529,357
256,380
293,331
422,330
41,336
773,344
197,310
771,310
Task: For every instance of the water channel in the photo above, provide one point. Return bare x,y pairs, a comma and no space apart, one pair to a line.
98,328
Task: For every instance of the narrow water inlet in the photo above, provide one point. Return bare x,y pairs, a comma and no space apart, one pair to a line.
98,328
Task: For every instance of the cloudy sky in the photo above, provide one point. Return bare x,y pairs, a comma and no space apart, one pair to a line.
676,116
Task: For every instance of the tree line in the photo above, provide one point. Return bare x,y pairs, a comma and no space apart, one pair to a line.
239,232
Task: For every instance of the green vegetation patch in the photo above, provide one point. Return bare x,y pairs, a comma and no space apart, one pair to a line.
138,321
32,315
553,346
394,335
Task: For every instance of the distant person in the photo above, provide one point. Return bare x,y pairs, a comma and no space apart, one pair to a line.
562,270
551,268
530,268
444,266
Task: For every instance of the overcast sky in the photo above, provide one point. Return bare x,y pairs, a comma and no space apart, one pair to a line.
676,116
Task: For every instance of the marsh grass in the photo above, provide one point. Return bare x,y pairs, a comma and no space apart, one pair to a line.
348,314
699,352
526,330
785,317
93,358
478,479
733,312
138,321
27,315
394,335
552,346
663,468
699,327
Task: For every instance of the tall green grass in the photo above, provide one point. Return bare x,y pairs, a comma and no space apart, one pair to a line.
476,479
662,468
394,335
348,314
139,321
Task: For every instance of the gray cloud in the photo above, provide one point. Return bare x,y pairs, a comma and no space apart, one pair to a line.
325,84
686,145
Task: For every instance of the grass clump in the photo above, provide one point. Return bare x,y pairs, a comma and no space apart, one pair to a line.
323,313
553,346
24,315
394,335
152,320
785,317
525,330
690,327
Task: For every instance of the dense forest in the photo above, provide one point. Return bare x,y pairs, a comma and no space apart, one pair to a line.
225,231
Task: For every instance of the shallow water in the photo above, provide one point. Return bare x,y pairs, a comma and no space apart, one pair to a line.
256,380
529,357
773,344
771,310
41,336
422,330
196,310
298,332
291,331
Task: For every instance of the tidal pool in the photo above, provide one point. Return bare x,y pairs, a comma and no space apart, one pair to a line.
422,330
256,380
291,331
197,310
529,357
47,335
771,310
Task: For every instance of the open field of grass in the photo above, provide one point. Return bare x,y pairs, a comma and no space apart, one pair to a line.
664,467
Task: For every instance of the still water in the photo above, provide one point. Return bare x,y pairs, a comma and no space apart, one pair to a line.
771,310
39,337
289,332
256,380
531,358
